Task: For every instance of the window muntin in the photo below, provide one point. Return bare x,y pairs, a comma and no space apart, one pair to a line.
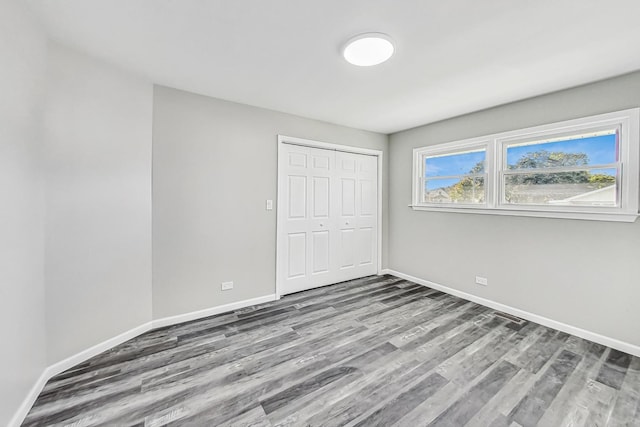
603,184
454,177
580,169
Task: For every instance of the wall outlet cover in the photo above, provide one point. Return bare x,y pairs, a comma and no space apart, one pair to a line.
482,281
227,286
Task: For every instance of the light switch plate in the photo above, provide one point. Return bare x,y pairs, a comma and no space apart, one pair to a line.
269,205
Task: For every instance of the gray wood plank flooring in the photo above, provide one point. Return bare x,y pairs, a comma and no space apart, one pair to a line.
377,351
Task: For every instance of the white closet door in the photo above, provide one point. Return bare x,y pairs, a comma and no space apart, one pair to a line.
306,175
356,180
328,217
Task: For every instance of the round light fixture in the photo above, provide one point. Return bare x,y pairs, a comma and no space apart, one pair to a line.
368,49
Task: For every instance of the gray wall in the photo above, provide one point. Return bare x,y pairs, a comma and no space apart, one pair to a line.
22,77
98,202
582,273
214,165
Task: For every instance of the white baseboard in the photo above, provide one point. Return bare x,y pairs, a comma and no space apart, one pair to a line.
87,354
29,400
59,367
194,315
573,330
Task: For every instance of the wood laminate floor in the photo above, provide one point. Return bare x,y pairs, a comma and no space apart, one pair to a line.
377,351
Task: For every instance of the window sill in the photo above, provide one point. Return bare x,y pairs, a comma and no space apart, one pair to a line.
587,216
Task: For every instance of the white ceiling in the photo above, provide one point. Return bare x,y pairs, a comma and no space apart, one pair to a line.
453,56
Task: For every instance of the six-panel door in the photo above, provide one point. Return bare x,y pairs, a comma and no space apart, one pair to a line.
356,181
329,204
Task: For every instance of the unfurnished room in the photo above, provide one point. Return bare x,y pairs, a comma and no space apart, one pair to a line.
269,213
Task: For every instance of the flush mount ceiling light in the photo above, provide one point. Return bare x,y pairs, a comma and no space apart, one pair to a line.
368,49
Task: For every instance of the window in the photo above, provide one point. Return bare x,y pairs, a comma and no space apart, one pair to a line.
580,169
455,177
585,169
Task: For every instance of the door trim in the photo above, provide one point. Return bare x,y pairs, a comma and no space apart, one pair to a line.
283,139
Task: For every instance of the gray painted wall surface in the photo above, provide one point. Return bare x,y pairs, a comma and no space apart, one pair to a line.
582,273
22,83
98,202
214,165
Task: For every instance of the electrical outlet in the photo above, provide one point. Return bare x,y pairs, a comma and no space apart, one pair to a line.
482,281
269,205
227,286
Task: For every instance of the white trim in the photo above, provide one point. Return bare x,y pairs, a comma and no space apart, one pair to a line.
92,351
29,400
194,315
61,366
283,139
573,330
627,121
590,216
479,144
327,145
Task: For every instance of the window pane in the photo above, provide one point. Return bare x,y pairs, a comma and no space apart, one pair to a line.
455,164
595,187
464,190
577,150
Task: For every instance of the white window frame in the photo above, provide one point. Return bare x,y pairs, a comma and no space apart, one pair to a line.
475,144
628,123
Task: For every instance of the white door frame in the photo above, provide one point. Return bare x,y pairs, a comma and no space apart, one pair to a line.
283,139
